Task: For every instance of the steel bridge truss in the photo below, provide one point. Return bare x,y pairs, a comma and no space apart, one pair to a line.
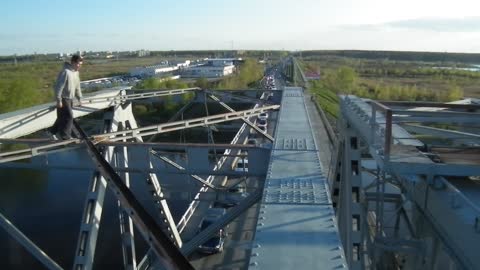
121,150
397,205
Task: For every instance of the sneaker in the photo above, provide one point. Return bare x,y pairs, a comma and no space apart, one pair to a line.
66,138
52,135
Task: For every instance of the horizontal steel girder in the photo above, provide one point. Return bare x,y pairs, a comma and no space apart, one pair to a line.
133,133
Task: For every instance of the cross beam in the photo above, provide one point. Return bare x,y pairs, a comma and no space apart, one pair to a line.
178,125
160,243
132,133
252,125
177,166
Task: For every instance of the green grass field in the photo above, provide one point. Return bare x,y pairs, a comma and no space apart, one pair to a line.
421,75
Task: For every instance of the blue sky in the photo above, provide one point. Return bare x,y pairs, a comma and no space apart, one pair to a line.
41,26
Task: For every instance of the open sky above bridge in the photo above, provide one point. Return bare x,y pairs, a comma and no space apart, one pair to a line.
28,26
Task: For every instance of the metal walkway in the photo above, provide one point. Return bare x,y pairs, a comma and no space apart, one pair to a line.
296,226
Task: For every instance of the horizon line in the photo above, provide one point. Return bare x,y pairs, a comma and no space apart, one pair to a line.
230,50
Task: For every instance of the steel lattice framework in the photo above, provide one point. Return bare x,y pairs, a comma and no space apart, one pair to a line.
396,200
118,152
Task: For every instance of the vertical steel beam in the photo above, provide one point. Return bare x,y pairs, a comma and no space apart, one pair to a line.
126,223
92,213
153,185
167,253
388,134
335,177
350,212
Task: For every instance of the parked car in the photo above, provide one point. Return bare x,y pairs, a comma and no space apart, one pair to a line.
252,141
226,203
240,188
263,116
242,165
261,123
263,129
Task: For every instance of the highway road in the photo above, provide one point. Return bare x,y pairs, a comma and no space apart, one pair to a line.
240,232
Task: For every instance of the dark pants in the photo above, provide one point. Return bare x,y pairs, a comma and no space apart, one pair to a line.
64,122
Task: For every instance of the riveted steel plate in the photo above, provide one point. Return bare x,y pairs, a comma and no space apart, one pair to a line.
296,191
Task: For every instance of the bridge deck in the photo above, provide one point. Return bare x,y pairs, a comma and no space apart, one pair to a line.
296,225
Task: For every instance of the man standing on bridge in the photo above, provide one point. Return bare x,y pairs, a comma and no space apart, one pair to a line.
66,88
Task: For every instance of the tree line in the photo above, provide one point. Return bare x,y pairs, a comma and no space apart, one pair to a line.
473,58
345,80
29,84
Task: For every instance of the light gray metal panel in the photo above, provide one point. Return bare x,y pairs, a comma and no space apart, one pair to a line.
296,227
299,143
294,163
296,237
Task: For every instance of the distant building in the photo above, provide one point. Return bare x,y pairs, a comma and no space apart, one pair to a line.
208,71
180,64
212,68
143,53
163,67
150,71
223,61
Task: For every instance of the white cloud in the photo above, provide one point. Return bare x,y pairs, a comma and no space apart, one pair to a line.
468,24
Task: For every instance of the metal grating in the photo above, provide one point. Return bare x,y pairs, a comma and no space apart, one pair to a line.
291,144
296,191
296,225
293,95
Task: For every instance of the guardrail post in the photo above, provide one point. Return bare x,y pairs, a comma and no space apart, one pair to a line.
373,121
388,134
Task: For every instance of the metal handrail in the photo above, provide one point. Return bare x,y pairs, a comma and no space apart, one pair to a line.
376,106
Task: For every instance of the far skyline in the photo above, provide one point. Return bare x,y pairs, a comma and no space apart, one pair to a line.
85,52
42,26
